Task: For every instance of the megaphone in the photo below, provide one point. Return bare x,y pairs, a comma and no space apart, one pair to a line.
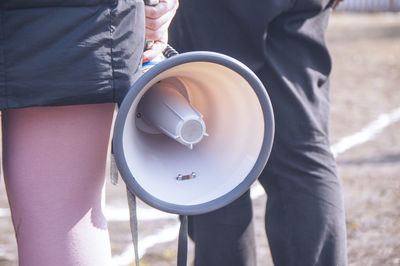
193,133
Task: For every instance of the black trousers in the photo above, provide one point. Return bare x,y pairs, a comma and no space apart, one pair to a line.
283,42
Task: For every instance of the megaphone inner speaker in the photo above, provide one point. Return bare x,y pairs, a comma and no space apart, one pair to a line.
234,119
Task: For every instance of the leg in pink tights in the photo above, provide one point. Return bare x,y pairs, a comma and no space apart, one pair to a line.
54,167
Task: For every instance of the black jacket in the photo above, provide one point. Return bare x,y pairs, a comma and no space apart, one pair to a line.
63,52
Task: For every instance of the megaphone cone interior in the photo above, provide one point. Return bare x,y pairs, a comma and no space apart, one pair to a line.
237,115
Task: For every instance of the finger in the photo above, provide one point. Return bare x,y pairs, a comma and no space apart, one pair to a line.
157,48
157,35
154,24
161,8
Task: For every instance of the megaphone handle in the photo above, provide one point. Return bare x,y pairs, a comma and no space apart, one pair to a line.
182,241
169,51
133,223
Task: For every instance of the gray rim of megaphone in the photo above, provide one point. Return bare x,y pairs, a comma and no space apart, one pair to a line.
199,56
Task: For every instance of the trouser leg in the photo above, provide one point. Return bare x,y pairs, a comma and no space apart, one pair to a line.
225,237
304,219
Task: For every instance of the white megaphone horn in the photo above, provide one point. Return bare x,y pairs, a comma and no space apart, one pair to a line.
193,133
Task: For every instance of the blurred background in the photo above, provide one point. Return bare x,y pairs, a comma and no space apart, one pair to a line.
364,40
369,6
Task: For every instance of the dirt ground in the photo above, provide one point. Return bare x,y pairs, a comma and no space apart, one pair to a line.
365,50
365,84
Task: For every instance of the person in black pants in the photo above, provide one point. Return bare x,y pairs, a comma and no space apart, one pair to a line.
283,42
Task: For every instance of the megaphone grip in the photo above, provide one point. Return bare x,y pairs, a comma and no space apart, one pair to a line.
169,51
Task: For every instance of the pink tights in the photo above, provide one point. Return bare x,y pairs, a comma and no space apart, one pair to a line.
54,168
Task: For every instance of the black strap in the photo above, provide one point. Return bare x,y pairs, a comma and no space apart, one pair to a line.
182,241
133,224
183,232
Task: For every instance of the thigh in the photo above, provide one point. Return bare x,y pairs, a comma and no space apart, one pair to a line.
54,167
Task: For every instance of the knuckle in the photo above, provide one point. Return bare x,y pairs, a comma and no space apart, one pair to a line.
151,13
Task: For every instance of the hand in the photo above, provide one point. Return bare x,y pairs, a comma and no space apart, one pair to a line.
158,18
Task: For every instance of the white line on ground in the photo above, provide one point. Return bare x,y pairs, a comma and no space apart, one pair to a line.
367,133
5,212
121,214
